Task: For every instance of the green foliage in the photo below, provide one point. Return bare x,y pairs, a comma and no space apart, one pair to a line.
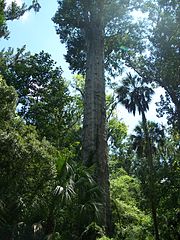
117,132
3,26
51,186
43,97
8,98
27,166
130,221
92,231
165,150
77,191
119,154
169,187
105,238
38,184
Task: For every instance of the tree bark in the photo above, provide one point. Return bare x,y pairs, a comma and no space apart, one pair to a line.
94,123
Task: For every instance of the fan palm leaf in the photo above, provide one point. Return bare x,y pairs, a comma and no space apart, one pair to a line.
135,94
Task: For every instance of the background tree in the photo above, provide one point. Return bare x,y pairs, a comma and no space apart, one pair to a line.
130,220
136,94
27,165
160,64
165,42
161,142
43,96
119,154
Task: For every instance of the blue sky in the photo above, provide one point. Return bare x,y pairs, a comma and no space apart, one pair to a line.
37,32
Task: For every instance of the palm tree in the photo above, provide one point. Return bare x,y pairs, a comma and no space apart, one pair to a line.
157,141
156,136
135,94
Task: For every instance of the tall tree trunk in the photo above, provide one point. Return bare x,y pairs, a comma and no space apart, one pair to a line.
94,124
151,176
176,102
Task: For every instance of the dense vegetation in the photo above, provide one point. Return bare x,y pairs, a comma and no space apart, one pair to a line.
68,170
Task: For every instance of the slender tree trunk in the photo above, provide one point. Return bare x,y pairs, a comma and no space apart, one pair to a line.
94,124
151,177
176,101
178,116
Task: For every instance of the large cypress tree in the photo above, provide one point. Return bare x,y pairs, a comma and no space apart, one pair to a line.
83,25
85,20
